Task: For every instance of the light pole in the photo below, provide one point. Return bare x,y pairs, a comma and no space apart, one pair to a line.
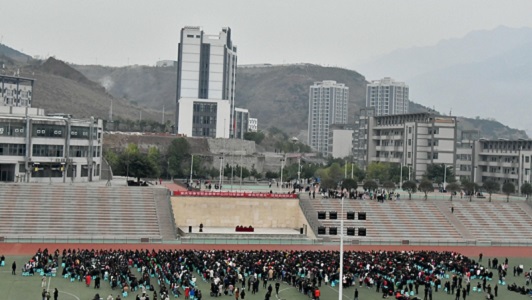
241,171
401,177
340,281
282,167
221,169
295,140
444,176
191,168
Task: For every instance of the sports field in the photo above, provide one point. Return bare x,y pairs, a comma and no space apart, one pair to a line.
19,287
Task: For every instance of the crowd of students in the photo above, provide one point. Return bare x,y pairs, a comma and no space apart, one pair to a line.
398,274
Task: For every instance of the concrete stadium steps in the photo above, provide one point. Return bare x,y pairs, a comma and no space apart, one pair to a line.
392,220
165,215
65,211
495,221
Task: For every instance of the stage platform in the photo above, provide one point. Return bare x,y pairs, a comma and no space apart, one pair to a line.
231,233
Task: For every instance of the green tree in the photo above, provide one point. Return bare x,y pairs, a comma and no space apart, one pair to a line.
370,185
436,173
426,187
389,186
508,188
257,137
328,183
271,175
453,188
335,172
410,187
469,188
349,184
526,189
176,155
245,172
140,166
378,171
491,187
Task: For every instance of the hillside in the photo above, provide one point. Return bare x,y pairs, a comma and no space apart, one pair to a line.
61,89
276,95
10,56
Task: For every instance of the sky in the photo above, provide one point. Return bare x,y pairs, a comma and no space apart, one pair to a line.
330,33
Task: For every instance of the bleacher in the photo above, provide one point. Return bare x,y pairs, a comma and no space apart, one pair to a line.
77,212
432,221
392,220
495,221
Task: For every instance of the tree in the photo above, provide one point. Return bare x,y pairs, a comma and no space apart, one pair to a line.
508,188
526,189
426,187
140,166
349,184
436,173
328,183
453,188
257,137
389,186
370,185
491,187
271,175
378,171
176,154
410,187
469,188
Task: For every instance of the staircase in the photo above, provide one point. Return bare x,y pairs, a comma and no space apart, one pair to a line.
165,215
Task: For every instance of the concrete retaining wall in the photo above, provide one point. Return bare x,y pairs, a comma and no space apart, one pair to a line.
230,212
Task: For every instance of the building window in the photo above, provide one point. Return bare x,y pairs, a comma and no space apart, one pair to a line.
48,150
13,149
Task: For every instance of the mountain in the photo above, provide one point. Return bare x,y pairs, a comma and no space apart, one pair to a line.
58,88
10,56
276,95
485,73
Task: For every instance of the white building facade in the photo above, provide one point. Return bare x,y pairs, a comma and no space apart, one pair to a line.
340,141
39,148
204,117
15,91
387,97
501,160
253,125
327,105
241,122
412,140
206,70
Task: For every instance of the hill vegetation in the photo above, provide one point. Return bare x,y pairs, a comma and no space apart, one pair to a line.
276,95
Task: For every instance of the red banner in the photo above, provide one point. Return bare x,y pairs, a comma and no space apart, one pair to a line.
234,194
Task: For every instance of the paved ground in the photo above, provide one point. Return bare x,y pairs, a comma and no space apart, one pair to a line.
19,287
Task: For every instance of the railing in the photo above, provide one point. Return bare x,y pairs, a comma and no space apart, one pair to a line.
270,241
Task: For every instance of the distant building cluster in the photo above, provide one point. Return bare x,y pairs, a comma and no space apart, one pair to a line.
15,91
206,86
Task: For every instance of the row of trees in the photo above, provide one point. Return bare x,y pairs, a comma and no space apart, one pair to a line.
176,162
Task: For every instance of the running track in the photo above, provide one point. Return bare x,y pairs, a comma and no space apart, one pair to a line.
30,249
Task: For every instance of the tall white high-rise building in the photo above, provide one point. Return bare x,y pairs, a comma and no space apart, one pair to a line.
206,76
388,97
327,106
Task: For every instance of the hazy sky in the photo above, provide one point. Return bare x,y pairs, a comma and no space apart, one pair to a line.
340,33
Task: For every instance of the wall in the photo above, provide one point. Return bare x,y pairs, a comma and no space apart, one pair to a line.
230,212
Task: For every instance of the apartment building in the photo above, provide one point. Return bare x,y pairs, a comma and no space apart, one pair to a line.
388,97
414,140
327,106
